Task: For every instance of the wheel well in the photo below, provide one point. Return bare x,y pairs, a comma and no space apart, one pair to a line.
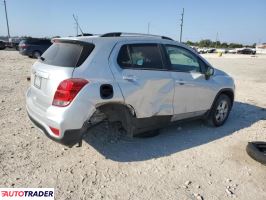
118,112
229,93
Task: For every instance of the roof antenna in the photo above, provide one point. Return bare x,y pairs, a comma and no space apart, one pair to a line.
78,26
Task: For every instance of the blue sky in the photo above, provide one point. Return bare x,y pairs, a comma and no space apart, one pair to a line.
241,21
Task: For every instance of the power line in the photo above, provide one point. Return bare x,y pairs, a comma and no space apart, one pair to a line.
6,20
182,20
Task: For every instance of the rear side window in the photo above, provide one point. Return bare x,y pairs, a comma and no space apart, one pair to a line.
40,42
67,54
44,42
33,41
140,56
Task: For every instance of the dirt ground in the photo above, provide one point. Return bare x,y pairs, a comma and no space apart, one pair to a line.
183,162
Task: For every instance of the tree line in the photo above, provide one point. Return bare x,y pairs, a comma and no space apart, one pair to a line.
217,44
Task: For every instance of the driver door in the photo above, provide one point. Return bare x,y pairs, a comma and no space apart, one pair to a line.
193,94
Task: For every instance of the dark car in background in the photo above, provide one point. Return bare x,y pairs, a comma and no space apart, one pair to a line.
246,51
2,45
34,47
14,42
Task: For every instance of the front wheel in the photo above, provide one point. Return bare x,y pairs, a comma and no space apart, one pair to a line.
220,110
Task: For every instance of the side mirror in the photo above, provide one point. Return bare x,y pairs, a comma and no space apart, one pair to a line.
209,72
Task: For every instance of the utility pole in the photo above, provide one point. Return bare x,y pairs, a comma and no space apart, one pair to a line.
77,25
149,24
182,20
7,20
216,40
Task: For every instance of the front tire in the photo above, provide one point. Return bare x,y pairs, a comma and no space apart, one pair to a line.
220,111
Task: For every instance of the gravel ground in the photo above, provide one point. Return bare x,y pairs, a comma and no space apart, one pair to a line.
188,161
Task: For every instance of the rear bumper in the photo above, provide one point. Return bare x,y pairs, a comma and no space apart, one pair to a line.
70,138
71,125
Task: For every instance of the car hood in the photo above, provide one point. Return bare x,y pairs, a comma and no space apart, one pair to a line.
218,72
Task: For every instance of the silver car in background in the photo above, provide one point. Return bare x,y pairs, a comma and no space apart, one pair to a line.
142,81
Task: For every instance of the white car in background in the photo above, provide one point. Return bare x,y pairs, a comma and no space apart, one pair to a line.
221,50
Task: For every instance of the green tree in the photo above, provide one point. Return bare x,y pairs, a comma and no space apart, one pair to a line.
216,44
205,43
235,45
190,43
224,45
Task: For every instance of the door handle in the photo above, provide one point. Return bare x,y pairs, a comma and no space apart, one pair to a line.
130,77
181,82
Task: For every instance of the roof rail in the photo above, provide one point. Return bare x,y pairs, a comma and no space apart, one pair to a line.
85,34
114,34
119,34
166,38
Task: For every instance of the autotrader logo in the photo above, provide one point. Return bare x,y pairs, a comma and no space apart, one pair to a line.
27,193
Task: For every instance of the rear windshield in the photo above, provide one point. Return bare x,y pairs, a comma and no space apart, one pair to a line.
67,54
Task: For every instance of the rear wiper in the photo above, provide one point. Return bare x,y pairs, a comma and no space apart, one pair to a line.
42,58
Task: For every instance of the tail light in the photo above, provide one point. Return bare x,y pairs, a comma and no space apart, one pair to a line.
23,46
55,131
67,90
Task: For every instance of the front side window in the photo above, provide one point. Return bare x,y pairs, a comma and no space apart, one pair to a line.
182,59
140,56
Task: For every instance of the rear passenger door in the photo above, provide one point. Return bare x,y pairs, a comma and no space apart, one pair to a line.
145,82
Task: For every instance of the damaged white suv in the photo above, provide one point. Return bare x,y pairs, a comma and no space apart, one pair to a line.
142,81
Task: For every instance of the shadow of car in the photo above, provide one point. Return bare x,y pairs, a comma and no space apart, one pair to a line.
172,139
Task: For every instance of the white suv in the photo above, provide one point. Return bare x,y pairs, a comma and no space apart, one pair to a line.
142,81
